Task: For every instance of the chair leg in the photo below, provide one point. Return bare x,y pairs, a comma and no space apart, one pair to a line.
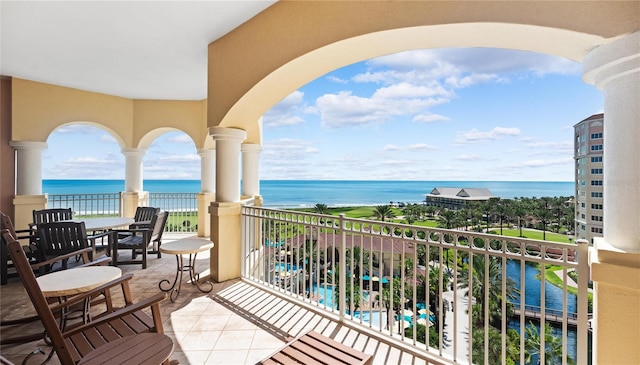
144,258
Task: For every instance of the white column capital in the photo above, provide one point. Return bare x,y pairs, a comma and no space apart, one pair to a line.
134,152
207,153
28,145
228,134
616,59
250,147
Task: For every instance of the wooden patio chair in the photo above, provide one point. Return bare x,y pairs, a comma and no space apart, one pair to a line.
60,238
143,217
28,244
77,342
312,348
139,239
52,215
35,266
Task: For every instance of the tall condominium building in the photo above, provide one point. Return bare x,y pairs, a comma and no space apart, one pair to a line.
588,147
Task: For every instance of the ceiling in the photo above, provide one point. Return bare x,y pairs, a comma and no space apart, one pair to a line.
132,49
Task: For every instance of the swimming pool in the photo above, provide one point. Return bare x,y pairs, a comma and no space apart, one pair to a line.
325,294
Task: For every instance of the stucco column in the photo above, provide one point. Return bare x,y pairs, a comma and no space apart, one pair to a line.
228,142
615,259
29,166
28,181
207,170
133,195
226,227
207,190
250,169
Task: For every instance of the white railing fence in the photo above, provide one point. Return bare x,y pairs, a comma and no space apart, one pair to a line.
88,205
182,208
418,285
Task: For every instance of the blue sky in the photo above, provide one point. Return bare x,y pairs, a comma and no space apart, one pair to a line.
442,114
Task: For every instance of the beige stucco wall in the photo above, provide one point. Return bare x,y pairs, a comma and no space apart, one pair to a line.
293,42
39,109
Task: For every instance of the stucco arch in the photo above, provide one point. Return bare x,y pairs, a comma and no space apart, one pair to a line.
292,43
111,132
151,136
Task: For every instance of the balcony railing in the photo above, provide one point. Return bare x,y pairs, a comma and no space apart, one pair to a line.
448,295
182,207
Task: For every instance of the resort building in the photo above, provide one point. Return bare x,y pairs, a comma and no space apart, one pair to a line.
212,69
589,189
457,198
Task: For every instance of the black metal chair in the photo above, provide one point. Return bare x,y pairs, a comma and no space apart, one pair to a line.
139,239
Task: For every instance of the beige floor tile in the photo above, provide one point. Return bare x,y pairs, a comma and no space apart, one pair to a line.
227,357
234,340
197,340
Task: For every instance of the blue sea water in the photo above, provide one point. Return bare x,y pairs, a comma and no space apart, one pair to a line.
304,193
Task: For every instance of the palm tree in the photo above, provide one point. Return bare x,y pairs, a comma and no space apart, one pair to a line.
321,209
446,219
492,283
552,345
544,216
354,256
384,211
353,294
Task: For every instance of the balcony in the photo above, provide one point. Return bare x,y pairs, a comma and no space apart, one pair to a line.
292,278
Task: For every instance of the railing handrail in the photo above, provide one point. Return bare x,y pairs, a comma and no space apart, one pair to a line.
270,235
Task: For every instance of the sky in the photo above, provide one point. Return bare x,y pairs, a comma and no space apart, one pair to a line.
438,114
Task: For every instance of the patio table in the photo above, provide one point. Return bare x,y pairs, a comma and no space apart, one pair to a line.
66,283
185,246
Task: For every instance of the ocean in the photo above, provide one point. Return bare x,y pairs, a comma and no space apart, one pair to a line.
307,193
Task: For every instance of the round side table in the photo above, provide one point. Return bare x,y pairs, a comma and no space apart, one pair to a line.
185,246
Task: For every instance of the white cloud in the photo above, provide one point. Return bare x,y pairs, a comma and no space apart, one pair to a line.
286,112
180,138
546,163
475,135
430,118
181,158
337,80
469,158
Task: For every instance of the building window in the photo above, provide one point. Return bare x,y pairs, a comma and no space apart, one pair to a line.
596,218
596,182
596,171
582,216
596,194
596,206
596,147
596,159
596,135
582,205
596,230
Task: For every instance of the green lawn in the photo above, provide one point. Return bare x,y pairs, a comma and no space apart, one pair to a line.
533,234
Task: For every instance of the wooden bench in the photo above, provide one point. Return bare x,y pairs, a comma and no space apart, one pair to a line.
313,348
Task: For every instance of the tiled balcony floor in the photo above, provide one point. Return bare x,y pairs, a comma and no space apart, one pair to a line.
236,323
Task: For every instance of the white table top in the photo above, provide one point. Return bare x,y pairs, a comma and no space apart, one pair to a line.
186,246
97,224
76,281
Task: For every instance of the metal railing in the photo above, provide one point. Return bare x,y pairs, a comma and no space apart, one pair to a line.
88,205
182,207
449,294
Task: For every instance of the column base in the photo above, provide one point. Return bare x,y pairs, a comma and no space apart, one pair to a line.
226,234
24,205
616,275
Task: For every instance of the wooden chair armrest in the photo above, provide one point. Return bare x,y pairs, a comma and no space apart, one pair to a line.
95,291
94,237
152,301
131,230
98,262
61,257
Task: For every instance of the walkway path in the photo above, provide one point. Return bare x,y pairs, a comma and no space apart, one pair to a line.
457,327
